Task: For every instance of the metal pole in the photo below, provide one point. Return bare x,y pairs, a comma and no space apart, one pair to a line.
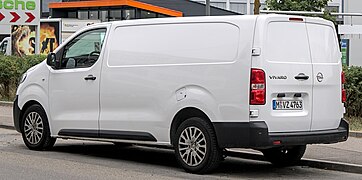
248,7
207,7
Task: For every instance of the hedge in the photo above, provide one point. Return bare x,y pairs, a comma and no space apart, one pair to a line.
353,86
11,69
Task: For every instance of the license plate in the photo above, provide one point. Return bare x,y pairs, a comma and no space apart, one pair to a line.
287,105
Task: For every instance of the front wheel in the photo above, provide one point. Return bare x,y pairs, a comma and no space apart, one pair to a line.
284,156
196,146
35,129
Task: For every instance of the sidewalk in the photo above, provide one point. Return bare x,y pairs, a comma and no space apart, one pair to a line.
344,156
6,116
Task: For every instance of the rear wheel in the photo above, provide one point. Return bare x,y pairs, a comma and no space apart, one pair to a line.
35,129
284,156
196,146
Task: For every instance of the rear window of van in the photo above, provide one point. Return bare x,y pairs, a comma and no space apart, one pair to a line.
287,42
323,44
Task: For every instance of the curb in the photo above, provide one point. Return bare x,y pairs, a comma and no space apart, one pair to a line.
7,127
6,103
329,165
357,134
314,163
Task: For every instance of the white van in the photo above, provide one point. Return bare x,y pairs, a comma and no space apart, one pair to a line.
5,46
202,84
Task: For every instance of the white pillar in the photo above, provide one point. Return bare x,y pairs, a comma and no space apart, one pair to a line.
247,6
227,4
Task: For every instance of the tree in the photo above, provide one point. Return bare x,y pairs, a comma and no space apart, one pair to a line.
256,6
300,5
297,5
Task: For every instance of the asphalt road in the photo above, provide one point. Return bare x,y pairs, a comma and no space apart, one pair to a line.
89,160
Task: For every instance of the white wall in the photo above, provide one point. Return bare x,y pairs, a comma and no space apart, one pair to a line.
5,29
355,53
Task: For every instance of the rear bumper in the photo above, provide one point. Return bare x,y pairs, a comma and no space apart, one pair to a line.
256,135
16,115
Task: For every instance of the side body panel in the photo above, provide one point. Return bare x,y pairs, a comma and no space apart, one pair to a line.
142,79
74,101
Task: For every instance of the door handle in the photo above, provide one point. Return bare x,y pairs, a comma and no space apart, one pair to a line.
301,76
90,77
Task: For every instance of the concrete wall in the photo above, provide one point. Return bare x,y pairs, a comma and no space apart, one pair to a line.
355,46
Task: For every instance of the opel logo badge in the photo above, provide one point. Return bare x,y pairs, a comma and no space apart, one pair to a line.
319,77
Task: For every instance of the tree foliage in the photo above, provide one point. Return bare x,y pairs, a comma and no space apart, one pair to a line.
301,5
353,86
297,5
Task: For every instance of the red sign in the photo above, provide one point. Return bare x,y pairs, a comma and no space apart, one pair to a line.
1,16
31,17
15,15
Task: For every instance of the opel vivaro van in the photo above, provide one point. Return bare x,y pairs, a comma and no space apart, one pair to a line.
273,83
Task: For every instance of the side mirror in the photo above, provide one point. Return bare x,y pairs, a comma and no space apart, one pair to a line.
52,61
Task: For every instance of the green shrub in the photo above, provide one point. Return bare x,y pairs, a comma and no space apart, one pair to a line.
11,69
353,86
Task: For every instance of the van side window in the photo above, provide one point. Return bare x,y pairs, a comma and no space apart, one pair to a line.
84,50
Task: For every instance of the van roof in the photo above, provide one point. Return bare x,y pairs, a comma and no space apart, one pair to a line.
266,17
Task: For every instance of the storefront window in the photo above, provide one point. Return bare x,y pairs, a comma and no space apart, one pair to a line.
147,14
93,14
129,14
83,15
103,15
115,15
161,15
72,14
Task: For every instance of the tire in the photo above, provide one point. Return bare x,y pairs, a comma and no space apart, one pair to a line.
199,154
35,129
284,156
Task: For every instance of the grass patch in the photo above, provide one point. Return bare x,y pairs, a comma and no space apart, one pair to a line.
355,123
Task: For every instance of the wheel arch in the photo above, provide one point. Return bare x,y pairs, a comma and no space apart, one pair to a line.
185,114
24,108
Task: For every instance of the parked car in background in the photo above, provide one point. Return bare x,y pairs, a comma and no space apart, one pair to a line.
5,46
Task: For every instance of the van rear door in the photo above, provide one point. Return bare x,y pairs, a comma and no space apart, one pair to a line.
326,59
285,58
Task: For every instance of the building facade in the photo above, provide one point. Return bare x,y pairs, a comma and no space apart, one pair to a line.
110,10
353,40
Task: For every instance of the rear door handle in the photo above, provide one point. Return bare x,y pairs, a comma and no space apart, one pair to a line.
90,77
301,76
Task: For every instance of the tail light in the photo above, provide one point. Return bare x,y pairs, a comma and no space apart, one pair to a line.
257,87
344,94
